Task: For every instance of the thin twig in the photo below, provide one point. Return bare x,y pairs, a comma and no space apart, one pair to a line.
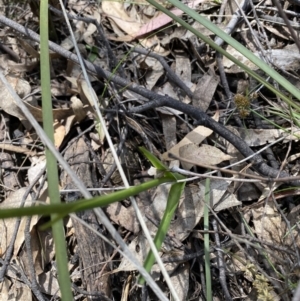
170,73
287,23
16,149
221,264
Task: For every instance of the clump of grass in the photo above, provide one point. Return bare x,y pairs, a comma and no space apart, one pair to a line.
243,105
261,284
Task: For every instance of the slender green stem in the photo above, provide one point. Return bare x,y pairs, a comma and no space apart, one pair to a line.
52,171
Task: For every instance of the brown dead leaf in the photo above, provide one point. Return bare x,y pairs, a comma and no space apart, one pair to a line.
49,284
219,201
78,108
170,90
267,223
87,95
258,137
169,130
154,70
25,66
115,12
162,19
283,33
7,226
129,24
67,43
180,281
58,114
87,35
140,247
284,59
7,102
205,154
69,123
42,250
5,289
14,68
196,136
155,210
206,88
123,216
183,68
229,202
73,82
28,48
59,133
59,88
231,67
19,291
38,163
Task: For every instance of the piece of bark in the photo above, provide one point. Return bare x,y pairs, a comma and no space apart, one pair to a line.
93,251
8,178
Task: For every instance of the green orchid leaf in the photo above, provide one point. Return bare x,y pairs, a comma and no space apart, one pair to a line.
154,161
81,205
172,204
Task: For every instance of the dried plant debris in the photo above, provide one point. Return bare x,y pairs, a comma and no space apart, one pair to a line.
157,85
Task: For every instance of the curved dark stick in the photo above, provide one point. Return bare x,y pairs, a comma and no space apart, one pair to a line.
202,119
159,101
